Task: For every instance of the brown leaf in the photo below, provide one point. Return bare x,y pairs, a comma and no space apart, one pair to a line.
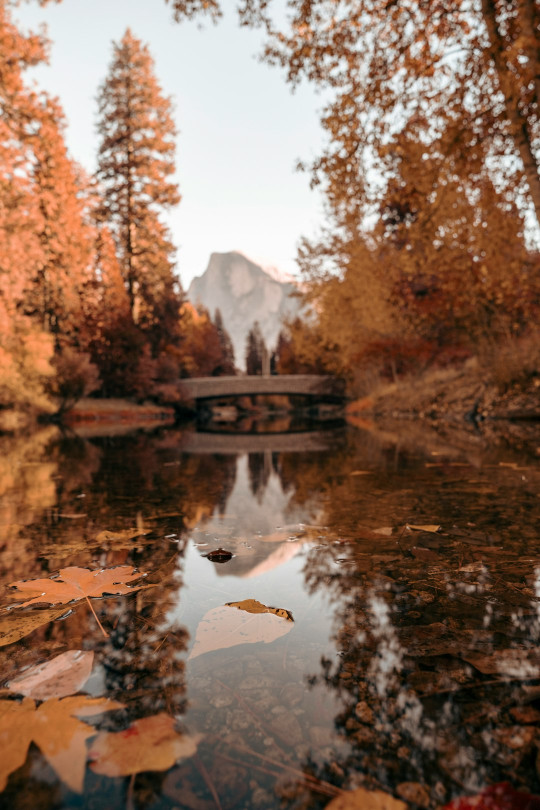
119,539
246,622
55,728
429,527
79,583
63,675
150,744
15,626
362,799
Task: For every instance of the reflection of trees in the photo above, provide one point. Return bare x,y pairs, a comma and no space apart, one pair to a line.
260,467
64,493
410,611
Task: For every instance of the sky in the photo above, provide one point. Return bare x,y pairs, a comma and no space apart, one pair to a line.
241,129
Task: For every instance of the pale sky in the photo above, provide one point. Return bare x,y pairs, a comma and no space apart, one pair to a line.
241,128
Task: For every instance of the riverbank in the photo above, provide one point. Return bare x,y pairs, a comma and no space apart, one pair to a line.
469,398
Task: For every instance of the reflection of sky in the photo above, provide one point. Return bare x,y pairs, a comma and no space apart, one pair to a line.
262,569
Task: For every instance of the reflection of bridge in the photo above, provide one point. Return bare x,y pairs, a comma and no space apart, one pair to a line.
312,385
225,443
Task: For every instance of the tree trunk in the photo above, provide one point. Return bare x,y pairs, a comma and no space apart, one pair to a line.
520,126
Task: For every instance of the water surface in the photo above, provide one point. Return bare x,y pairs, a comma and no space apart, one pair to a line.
384,635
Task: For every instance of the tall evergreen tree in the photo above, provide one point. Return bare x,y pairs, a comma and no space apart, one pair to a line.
255,349
227,349
135,168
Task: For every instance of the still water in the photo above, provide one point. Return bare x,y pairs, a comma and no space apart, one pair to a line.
370,620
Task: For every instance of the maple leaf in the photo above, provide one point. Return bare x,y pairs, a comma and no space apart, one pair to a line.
57,731
150,744
80,583
63,675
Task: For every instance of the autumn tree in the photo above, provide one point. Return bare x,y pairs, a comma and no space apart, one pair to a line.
135,168
25,348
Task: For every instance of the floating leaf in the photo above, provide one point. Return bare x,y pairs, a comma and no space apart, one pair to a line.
15,626
119,539
219,555
252,606
80,583
63,675
429,527
55,728
246,622
150,744
362,799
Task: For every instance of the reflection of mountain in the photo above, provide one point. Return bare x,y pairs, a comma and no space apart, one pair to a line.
262,532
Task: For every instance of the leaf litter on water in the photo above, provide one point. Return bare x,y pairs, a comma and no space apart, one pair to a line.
74,583
55,728
149,744
61,676
245,622
15,626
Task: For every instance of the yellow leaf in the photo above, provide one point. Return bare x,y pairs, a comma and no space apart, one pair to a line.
430,527
150,744
55,728
15,626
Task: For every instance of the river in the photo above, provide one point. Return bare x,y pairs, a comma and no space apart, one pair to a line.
320,617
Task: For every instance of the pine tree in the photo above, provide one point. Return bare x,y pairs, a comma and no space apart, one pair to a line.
227,349
255,349
135,166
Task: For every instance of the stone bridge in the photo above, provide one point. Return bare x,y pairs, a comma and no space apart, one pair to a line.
312,385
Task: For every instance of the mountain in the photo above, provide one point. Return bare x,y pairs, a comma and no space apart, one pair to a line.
244,292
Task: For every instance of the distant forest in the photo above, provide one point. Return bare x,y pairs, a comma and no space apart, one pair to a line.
430,176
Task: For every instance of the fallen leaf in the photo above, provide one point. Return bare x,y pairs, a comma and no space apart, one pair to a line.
79,583
55,728
429,527
118,539
362,799
150,744
247,622
16,626
63,675
496,797
219,555
252,606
